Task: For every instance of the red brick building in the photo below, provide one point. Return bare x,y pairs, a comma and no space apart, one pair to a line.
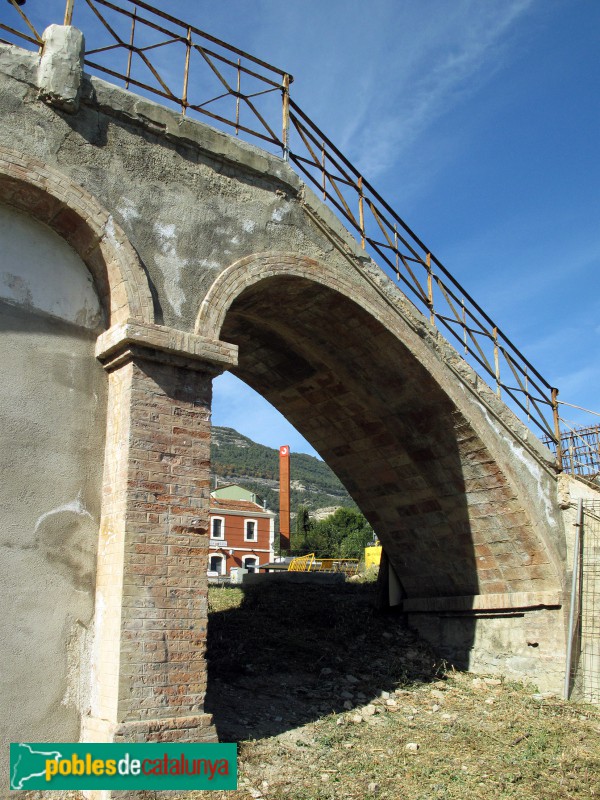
242,532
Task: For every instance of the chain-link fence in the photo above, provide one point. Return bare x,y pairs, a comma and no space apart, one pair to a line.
584,675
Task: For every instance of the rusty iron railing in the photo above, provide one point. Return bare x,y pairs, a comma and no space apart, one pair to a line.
151,50
233,85
423,277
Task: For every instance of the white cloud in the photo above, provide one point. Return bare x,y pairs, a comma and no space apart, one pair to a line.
452,51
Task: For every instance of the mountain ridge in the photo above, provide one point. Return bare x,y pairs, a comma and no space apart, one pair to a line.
235,458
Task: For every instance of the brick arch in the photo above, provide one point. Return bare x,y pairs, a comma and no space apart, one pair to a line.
441,491
252,269
76,216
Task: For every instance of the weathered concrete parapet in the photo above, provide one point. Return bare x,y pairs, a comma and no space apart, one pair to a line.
571,489
61,67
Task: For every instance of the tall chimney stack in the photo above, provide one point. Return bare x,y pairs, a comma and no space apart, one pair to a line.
284,497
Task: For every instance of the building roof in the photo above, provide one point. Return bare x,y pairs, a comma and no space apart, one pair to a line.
233,491
222,504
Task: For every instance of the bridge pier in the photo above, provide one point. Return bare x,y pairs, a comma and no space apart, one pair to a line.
148,664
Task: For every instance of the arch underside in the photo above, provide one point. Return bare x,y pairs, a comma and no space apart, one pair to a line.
449,519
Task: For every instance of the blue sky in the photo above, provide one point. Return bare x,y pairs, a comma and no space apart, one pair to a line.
479,122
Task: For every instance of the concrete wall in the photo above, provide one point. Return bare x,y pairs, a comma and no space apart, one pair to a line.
52,420
523,644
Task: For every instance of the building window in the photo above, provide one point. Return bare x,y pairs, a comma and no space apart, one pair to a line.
217,564
251,563
217,526
250,530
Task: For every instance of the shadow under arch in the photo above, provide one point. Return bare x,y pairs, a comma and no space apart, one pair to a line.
283,656
76,216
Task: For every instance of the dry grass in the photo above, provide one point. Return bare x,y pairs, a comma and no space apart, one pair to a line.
329,700
279,666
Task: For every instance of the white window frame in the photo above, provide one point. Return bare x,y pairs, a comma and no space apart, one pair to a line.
212,534
255,539
254,559
221,570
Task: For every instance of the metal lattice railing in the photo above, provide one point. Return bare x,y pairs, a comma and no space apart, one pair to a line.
159,55
423,277
233,88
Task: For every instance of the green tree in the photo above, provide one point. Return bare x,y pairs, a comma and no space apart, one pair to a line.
343,534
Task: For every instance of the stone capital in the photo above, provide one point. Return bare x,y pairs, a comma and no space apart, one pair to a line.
125,341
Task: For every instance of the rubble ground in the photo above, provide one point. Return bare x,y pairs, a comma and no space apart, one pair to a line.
327,698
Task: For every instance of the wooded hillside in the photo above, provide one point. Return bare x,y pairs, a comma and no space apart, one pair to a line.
237,459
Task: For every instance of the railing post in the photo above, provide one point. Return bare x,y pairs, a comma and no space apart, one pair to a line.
186,73
131,40
361,212
69,12
559,453
396,252
496,359
237,99
464,324
285,137
430,288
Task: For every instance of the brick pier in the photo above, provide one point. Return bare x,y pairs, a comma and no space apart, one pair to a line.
148,667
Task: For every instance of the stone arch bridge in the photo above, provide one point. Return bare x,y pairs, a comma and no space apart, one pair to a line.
143,254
